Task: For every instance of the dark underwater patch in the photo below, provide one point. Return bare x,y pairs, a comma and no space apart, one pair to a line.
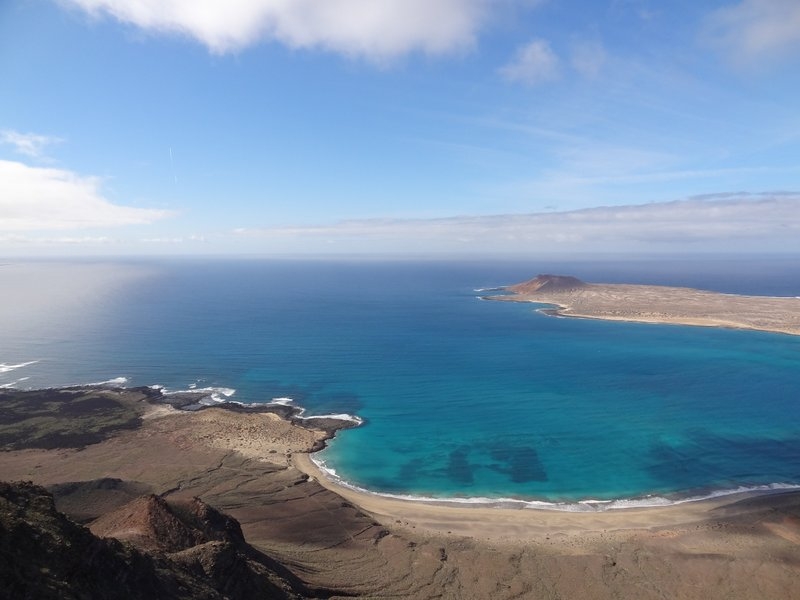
703,457
519,462
458,467
410,471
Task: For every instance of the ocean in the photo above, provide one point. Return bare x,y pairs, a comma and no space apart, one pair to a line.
462,399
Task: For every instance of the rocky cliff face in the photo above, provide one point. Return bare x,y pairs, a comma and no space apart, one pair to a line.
548,283
186,551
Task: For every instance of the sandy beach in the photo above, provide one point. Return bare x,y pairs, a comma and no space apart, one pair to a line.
257,468
522,525
660,304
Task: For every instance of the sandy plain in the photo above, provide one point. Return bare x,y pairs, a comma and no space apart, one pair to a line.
256,467
662,304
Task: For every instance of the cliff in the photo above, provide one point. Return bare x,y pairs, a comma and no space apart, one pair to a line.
183,551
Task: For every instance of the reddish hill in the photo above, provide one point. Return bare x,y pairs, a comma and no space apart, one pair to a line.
149,523
548,283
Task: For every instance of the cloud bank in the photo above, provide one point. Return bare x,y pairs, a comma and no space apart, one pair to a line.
768,222
752,31
373,29
35,198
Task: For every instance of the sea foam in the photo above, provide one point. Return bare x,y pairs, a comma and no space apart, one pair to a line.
216,394
115,382
7,367
13,384
337,417
285,401
207,396
282,401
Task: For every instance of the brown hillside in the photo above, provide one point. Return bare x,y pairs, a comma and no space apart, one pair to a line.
188,551
548,283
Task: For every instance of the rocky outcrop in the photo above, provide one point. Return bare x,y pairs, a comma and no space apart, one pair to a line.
150,524
186,551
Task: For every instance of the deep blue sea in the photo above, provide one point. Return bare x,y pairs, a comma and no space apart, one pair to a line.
461,398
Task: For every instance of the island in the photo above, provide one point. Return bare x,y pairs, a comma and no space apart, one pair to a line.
656,304
128,493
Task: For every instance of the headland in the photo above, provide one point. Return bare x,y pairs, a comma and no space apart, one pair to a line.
657,304
330,541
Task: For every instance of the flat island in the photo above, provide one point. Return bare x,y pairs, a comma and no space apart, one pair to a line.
225,502
658,304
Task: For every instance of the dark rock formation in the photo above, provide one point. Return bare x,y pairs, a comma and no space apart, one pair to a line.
187,551
63,418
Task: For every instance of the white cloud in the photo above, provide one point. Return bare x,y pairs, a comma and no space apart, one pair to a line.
533,63
35,198
536,62
375,29
588,58
752,31
723,222
29,144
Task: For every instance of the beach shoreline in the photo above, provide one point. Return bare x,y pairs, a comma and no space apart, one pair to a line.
594,516
224,429
525,522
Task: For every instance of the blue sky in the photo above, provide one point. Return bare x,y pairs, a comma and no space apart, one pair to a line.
421,126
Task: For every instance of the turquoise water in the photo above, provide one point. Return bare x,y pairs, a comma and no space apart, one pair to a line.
462,398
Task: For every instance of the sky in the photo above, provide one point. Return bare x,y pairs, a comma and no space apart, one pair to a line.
457,127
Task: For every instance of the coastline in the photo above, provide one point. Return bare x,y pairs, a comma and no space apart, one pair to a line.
257,466
521,523
281,418
661,511
663,305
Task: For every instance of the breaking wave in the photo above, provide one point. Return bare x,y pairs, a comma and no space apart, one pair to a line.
7,367
285,401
